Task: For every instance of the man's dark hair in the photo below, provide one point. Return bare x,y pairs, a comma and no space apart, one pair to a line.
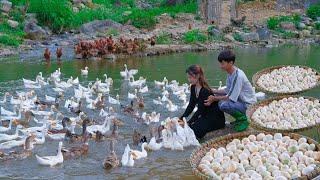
227,56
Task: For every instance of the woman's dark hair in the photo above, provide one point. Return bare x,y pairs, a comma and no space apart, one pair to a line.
227,56
194,70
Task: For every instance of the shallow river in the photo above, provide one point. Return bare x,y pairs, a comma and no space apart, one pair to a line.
163,164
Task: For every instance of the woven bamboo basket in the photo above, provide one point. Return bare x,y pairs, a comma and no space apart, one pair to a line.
251,109
256,76
222,141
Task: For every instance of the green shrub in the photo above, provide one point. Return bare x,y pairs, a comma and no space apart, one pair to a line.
56,14
142,21
317,26
163,38
313,11
9,40
194,36
273,22
237,37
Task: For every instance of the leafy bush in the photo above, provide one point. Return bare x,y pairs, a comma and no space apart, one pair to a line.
9,40
317,26
163,38
273,22
194,36
237,37
313,11
56,14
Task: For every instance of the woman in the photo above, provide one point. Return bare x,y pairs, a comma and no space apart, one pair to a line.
206,118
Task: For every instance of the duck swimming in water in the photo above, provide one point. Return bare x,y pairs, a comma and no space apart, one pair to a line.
111,160
24,153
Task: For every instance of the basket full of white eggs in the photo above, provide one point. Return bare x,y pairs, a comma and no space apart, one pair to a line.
285,114
257,155
285,80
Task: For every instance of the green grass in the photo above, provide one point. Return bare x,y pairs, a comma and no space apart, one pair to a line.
112,32
317,26
58,14
313,11
163,38
194,36
237,37
274,22
9,40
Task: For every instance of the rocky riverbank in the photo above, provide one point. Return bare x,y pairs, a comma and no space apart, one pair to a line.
184,32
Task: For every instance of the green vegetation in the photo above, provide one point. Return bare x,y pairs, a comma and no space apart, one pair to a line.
274,22
317,26
59,16
237,37
163,38
194,36
11,36
313,11
56,14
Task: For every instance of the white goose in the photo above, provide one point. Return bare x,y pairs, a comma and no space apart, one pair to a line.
171,107
105,127
176,143
5,98
41,140
8,113
139,154
158,101
7,137
13,117
190,136
143,89
32,86
27,81
114,101
153,145
73,81
50,98
125,155
84,72
62,84
107,80
5,129
12,143
127,74
51,160
15,101
39,77
161,83
220,86
139,82
132,96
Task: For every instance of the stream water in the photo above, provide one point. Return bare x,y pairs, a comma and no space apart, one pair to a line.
163,164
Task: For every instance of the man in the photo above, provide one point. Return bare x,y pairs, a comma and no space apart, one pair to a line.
238,94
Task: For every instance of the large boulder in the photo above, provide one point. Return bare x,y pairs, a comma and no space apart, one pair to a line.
33,31
13,23
99,26
263,33
229,38
288,26
252,36
5,6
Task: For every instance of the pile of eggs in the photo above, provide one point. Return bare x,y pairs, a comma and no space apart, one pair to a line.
288,79
262,156
288,113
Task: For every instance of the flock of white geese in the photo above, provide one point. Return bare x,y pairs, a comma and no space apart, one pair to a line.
28,118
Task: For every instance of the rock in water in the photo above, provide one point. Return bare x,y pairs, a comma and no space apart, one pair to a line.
263,33
33,31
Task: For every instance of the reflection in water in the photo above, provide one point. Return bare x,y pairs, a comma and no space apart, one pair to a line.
162,164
